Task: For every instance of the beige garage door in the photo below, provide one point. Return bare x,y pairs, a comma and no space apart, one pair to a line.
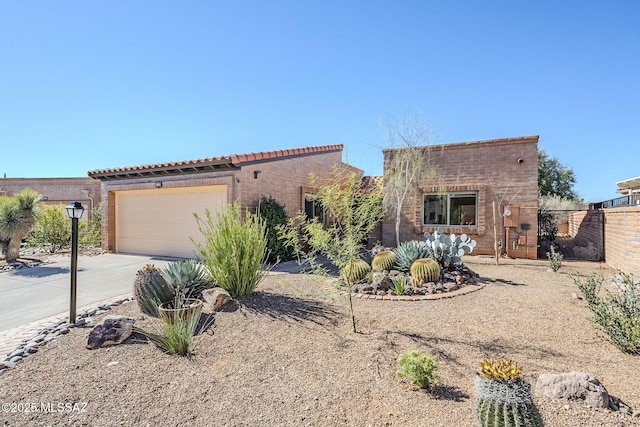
160,221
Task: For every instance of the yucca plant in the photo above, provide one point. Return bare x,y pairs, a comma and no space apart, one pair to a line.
234,250
503,398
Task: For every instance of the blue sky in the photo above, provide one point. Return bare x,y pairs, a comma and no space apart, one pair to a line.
91,85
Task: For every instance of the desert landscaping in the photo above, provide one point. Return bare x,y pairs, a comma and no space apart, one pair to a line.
286,355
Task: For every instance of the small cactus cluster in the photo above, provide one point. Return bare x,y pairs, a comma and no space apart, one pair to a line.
383,261
151,289
503,398
356,271
424,270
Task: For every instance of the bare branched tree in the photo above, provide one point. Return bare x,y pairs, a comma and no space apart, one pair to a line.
407,161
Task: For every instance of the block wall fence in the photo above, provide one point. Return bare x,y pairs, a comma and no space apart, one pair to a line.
622,239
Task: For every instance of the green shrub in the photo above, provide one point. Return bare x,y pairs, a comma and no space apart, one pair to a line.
90,232
555,258
275,217
420,368
590,288
618,312
52,230
234,250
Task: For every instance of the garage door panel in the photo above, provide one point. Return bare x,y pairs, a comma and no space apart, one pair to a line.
161,221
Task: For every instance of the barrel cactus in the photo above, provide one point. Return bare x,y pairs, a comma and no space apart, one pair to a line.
503,398
424,270
151,289
383,261
356,271
408,252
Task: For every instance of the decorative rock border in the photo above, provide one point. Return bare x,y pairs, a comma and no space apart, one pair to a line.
467,289
47,334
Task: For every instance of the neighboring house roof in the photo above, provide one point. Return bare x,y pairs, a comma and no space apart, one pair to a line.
498,141
208,164
372,182
629,186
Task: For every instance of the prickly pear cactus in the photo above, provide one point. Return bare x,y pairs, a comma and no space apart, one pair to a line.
448,249
424,270
503,398
383,261
151,289
356,271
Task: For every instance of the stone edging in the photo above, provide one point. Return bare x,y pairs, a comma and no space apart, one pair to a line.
462,291
49,333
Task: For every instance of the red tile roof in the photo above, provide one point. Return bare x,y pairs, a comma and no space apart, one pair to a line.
220,162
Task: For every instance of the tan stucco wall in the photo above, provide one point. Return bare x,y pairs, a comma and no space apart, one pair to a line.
56,191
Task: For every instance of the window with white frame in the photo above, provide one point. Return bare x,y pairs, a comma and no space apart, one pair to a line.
455,209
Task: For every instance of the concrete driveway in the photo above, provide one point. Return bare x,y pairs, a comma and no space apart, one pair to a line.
31,294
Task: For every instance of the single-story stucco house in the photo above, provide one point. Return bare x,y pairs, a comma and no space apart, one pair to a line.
149,209
468,178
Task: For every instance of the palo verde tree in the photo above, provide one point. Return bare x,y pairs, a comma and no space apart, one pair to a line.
406,161
17,215
554,178
353,212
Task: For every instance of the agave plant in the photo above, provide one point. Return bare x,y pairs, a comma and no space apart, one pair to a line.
187,277
408,252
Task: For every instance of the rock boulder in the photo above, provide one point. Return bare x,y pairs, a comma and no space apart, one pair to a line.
573,386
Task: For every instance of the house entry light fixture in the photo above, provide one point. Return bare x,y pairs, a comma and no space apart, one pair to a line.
74,211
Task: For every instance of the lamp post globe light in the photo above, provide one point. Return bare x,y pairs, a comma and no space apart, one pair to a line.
75,211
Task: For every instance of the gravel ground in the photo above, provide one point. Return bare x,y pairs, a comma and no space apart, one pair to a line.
286,357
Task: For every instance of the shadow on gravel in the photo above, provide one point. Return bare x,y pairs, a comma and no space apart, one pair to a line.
501,281
453,393
495,346
279,307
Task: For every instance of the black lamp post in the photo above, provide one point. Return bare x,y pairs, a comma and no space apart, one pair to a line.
75,211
